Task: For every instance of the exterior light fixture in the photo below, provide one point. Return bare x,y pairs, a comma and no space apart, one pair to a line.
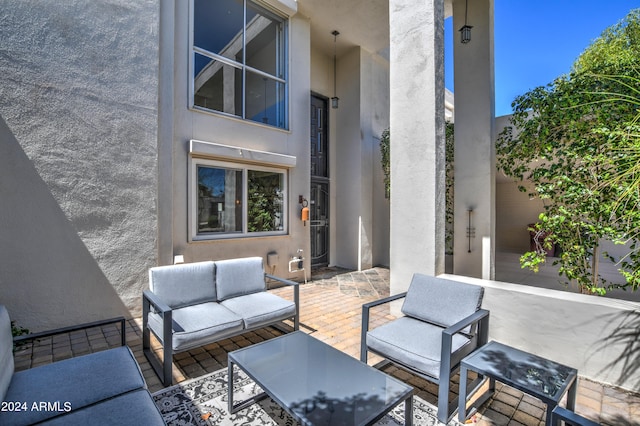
465,31
334,99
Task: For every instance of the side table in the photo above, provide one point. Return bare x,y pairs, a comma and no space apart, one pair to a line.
539,377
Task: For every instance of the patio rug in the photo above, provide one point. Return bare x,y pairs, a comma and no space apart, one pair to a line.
203,401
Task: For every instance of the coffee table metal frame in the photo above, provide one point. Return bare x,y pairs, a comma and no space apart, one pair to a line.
539,377
250,357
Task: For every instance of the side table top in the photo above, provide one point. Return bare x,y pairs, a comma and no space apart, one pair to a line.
548,380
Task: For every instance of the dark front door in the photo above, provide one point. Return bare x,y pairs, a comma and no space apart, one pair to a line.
319,199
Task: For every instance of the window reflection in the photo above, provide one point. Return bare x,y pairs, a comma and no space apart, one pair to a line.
219,200
218,27
217,86
265,99
221,193
265,201
239,68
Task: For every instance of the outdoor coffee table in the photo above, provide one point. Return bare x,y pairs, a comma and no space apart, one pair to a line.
539,377
317,384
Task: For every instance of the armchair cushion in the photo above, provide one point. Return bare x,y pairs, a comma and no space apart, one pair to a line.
6,352
184,284
455,300
260,309
237,277
195,325
414,343
88,379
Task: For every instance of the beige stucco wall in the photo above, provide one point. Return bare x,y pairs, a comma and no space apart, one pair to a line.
215,128
361,215
592,334
78,94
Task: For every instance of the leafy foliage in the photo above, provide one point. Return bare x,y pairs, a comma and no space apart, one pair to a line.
385,149
17,330
574,149
264,201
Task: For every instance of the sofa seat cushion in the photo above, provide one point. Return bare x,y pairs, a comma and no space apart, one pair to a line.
198,325
79,381
130,409
237,277
260,309
6,352
413,343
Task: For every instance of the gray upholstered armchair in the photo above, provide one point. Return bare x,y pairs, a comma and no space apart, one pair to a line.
442,323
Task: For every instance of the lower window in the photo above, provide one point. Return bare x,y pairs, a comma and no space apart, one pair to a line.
235,200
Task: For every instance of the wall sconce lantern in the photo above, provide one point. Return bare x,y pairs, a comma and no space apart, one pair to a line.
471,230
465,31
334,99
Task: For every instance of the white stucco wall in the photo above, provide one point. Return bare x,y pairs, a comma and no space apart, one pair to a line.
417,140
592,334
78,93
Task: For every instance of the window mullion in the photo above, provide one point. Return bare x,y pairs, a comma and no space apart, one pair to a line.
245,201
244,60
217,57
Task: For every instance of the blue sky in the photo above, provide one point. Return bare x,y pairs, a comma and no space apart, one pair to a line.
537,41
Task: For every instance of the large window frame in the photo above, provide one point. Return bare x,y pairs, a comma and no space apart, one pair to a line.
244,170
275,94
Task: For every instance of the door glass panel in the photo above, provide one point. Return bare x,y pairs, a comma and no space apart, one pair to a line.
319,218
319,157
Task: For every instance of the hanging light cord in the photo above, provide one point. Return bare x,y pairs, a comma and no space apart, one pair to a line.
335,37
466,8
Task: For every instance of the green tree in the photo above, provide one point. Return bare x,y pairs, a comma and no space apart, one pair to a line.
567,146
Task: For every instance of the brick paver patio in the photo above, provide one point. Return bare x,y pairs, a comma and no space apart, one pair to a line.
331,308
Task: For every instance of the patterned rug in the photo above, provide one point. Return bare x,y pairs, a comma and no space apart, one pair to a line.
203,401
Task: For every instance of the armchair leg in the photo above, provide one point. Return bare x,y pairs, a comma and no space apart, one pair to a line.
164,369
363,334
443,400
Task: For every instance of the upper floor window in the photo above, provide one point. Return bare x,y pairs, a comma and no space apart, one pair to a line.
239,60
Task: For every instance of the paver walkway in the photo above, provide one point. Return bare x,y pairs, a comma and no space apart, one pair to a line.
331,309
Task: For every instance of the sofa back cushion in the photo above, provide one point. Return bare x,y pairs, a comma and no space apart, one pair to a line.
440,301
6,352
184,284
237,277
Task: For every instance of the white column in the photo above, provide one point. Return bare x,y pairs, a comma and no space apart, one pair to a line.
416,31
474,139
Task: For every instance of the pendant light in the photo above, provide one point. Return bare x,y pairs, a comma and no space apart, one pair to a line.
465,31
335,99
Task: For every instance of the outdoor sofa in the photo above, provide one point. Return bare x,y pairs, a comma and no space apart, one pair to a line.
104,387
443,322
193,304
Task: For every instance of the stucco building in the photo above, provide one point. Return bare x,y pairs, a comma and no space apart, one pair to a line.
135,132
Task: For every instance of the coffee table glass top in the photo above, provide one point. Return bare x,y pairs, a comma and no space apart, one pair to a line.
546,379
319,383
